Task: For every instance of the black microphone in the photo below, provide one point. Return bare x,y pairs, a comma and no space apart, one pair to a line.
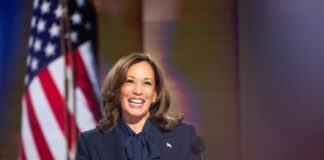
198,146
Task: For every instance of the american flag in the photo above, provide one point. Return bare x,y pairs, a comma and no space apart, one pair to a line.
61,86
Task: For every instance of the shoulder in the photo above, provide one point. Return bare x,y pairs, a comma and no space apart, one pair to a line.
90,143
183,126
184,129
92,132
95,134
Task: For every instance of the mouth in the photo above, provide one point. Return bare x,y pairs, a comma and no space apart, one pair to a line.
135,102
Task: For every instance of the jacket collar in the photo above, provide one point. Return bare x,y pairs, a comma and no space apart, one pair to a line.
112,145
166,142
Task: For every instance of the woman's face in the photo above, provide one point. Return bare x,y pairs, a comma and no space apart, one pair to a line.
138,91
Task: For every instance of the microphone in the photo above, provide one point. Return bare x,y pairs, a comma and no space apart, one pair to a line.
198,146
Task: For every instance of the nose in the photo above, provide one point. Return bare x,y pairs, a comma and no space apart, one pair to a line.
137,90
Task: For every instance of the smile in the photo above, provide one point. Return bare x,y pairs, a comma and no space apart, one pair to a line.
136,102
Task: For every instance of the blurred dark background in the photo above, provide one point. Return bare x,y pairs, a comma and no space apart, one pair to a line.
249,74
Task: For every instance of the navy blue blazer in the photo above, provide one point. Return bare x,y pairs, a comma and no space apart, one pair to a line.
174,144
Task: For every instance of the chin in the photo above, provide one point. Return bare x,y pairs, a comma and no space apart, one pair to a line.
137,115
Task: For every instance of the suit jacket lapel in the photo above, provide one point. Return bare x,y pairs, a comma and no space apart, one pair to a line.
166,142
112,146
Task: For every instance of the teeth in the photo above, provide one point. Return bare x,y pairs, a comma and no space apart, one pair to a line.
137,101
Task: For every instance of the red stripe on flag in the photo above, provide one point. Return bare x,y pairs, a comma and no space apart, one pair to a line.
84,82
22,150
57,105
39,138
54,97
73,131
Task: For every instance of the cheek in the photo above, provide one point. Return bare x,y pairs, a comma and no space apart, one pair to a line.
150,94
124,91
123,95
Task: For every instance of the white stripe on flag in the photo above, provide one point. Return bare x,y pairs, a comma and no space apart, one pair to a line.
84,117
50,128
27,139
86,54
56,70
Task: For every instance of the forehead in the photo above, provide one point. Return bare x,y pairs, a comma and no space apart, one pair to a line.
141,69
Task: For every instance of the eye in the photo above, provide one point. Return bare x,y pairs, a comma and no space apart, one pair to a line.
129,81
148,83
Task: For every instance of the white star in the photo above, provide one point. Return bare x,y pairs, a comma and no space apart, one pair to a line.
37,45
88,26
33,22
30,41
54,30
76,18
45,8
28,60
34,64
41,25
74,36
80,3
36,3
26,79
59,11
49,49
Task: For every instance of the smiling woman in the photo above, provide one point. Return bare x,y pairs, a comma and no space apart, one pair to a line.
137,124
137,94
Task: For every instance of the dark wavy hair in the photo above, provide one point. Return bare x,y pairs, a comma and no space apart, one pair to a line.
110,93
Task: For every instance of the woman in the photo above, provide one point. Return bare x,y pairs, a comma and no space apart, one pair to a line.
137,124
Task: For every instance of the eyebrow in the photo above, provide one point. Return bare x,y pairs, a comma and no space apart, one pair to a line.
148,79
144,78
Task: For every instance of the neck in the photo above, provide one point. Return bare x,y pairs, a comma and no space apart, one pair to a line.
135,123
